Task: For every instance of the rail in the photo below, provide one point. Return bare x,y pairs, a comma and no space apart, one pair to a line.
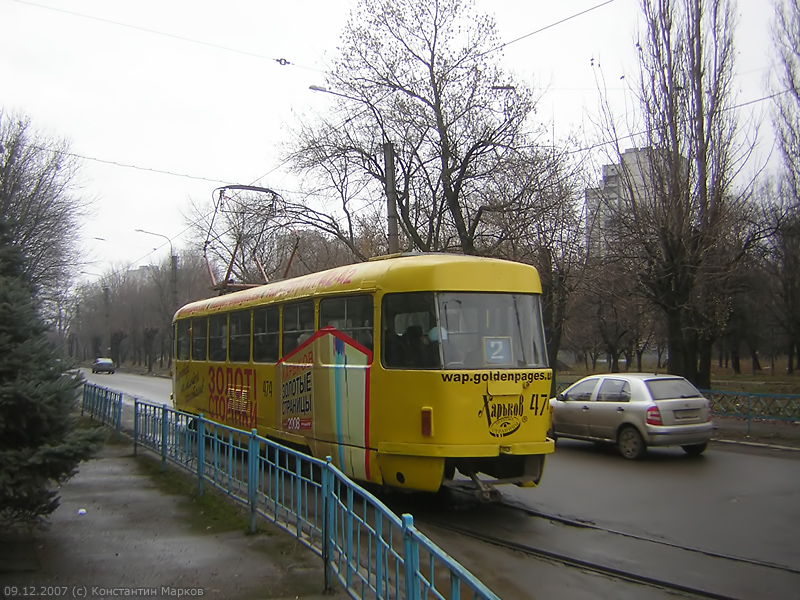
369,550
103,404
754,407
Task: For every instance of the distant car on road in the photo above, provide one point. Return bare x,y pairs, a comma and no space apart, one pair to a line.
103,365
634,411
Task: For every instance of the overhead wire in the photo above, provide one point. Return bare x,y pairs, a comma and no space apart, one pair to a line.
546,27
280,61
285,62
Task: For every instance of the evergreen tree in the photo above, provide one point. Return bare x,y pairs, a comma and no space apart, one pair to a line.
40,445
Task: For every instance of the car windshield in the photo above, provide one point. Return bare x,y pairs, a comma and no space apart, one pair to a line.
104,361
666,389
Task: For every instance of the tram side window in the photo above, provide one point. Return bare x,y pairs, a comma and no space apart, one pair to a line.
239,336
405,323
298,325
351,315
199,338
182,340
217,337
266,333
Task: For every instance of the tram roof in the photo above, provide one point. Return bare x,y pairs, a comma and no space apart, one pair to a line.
395,273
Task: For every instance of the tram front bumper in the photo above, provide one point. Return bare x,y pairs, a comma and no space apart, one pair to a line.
466,450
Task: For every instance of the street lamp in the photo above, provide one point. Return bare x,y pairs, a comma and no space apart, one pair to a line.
173,269
388,160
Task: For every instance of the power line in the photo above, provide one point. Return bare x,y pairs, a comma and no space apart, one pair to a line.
129,166
546,27
632,135
281,61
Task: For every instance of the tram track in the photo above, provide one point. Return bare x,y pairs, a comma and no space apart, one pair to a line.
664,566
589,525
582,564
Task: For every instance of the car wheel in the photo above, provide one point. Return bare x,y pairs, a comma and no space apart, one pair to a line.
695,449
630,443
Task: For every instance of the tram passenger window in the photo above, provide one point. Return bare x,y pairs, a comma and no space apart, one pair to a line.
351,315
239,336
406,321
298,325
218,337
199,338
266,333
182,340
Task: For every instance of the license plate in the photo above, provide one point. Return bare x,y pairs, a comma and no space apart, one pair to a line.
687,413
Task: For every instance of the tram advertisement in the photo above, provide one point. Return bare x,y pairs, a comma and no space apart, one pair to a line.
296,400
232,396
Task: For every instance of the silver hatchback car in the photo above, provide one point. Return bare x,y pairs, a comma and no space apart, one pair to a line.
634,411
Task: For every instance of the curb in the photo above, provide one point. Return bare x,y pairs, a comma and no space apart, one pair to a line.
758,445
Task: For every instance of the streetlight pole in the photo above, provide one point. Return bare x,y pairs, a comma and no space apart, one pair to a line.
389,162
173,268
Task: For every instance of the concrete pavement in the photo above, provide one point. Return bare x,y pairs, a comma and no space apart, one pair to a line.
120,532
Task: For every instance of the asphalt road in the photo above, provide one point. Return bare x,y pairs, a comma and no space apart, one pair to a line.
736,501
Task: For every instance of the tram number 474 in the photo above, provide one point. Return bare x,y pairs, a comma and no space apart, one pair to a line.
539,404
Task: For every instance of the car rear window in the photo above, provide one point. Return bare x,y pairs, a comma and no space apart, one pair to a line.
665,389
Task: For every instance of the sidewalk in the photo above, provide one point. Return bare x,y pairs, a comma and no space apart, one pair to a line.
117,533
780,434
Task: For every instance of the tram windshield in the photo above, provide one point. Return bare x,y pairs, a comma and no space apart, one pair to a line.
463,330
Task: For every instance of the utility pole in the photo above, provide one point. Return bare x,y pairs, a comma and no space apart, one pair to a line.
173,258
107,302
391,197
388,159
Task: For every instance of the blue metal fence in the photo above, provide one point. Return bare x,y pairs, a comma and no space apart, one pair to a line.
752,407
372,552
103,404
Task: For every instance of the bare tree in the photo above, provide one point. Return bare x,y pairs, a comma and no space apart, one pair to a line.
40,199
678,203
786,116
420,75
780,261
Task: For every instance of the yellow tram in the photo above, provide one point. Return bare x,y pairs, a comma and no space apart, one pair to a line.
404,370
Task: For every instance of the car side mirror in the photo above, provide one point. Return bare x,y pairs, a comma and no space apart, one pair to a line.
561,397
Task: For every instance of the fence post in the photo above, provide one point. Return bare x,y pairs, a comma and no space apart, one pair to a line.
327,521
252,477
201,453
135,424
119,415
83,400
164,432
410,558
749,413
105,407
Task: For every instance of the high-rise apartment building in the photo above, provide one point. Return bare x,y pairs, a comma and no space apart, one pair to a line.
605,202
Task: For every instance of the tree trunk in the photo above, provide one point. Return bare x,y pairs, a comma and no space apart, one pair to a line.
705,350
756,364
675,347
735,363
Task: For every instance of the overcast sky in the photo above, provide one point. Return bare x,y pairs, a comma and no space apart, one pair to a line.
167,100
